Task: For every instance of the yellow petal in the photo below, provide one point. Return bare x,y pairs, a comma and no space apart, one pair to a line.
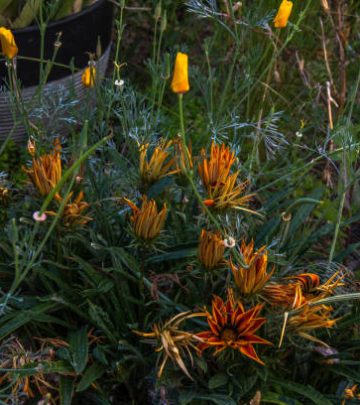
283,14
180,81
8,45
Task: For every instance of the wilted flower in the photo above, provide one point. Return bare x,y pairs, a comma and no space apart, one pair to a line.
180,81
229,242
88,77
147,221
283,14
211,249
119,83
73,210
173,343
161,164
231,326
7,41
221,186
252,279
14,358
308,318
46,170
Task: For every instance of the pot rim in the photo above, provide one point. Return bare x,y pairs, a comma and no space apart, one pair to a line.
62,21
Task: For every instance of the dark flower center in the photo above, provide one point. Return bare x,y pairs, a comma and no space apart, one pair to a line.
228,335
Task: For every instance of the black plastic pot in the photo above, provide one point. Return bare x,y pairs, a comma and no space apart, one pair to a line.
80,34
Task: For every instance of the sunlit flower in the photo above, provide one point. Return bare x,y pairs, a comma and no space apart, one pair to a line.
283,14
222,187
216,169
180,81
277,294
231,326
211,249
172,342
159,165
46,170
88,77
7,41
147,221
252,279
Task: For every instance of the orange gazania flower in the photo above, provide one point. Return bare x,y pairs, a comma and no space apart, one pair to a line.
147,221
283,14
252,279
8,44
231,326
222,187
159,165
46,170
217,168
211,249
180,81
88,77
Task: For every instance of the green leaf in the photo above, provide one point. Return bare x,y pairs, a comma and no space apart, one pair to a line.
217,399
66,390
27,14
95,371
185,397
306,391
79,347
278,399
218,380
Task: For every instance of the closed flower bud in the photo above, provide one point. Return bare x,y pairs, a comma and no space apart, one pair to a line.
88,77
283,14
180,81
8,45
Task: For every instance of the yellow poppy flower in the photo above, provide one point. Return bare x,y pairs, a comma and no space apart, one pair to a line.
8,45
180,81
88,77
283,14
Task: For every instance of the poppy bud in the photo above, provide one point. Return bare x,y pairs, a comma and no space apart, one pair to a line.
283,14
8,45
88,77
180,81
